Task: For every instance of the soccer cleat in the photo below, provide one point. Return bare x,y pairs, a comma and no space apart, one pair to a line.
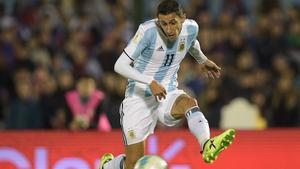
214,146
105,158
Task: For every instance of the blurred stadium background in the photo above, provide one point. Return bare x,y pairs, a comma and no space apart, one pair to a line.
54,50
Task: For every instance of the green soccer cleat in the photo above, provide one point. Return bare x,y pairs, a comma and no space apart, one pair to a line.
105,158
214,146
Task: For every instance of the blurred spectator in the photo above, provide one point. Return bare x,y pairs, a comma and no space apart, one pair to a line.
57,108
25,111
114,85
85,104
285,103
211,102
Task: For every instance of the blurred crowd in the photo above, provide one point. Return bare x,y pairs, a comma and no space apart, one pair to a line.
57,57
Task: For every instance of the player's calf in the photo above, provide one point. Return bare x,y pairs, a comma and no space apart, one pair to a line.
133,153
129,163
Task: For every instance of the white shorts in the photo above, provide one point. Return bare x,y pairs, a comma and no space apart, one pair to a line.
139,115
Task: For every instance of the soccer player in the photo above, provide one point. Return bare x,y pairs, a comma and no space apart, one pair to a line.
150,62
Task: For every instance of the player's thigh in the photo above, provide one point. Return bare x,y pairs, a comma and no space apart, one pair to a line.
137,119
133,153
164,109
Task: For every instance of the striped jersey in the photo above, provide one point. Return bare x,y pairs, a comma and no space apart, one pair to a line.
154,56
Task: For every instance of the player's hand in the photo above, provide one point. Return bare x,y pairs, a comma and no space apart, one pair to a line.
211,69
158,90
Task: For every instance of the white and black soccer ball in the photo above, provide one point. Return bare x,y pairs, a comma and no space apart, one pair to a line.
151,162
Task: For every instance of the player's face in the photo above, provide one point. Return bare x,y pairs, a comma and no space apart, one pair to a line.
171,24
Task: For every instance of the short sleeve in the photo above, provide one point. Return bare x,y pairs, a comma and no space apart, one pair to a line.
137,44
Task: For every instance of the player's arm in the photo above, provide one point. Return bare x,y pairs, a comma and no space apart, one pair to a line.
124,68
130,53
197,53
209,67
133,50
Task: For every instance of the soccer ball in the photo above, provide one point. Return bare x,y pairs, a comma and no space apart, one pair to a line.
151,162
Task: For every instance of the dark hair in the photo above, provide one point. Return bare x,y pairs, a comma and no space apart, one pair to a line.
169,6
85,76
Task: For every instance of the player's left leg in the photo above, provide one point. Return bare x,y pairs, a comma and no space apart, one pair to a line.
214,146
187,106
108,161
178,105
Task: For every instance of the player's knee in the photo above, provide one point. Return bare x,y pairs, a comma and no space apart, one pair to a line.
183,103
191,103
187,102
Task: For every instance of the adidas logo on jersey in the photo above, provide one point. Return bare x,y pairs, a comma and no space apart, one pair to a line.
160,49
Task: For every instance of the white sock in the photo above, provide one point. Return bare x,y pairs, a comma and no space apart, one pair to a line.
198,125
116,163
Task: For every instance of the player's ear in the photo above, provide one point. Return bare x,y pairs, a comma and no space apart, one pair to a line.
183,17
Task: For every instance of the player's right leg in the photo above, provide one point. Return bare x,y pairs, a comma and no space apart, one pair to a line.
133,153
137,122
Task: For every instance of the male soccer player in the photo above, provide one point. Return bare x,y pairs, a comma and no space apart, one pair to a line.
150,62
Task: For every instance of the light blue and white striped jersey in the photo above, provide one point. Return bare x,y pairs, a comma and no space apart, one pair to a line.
153,56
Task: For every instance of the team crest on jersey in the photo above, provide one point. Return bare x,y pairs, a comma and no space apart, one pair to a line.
137,37
131,134
181,45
